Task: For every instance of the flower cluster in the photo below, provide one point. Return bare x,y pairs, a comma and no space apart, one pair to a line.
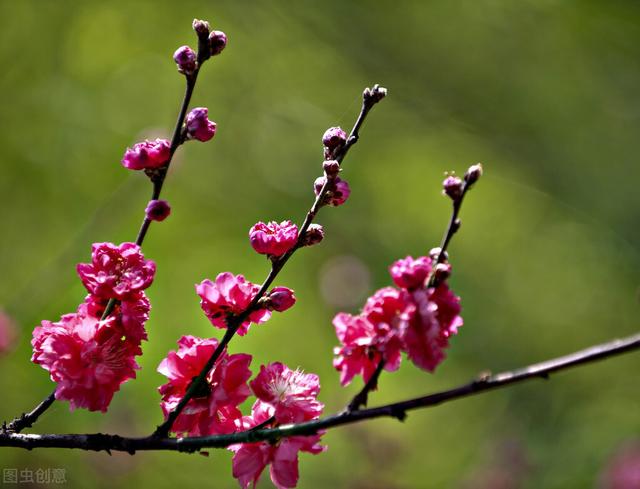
214,408
89,356
417,318
284,396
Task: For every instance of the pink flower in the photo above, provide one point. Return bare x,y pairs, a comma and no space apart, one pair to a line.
7,333
130,315
338,188
147,155
272,238
116,272
86,357
409,273
213,410
436,319
292,393
281,299
199,126
230,294
157,210
375,335
250,459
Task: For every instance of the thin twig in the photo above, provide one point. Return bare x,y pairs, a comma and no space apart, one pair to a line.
26,420
234,322
361,398
398,410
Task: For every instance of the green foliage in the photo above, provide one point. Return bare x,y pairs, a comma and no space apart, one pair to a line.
544,93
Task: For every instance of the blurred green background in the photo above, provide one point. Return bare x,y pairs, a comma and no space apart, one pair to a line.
544,93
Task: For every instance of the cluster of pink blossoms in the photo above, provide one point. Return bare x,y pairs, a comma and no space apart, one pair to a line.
413,318
283,396
89,357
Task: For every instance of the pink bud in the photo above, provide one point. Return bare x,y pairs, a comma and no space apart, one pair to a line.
199,126
281,299
442,272
273,239
338,190
158,210
331,168
334,137
147,155
185,58
217,42
314,234
201,27
434,253
452,186
473,174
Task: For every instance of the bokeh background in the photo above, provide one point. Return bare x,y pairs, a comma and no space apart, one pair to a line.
544,93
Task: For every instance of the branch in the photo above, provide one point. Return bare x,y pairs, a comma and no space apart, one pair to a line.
369,98
26,420
361,398
99,441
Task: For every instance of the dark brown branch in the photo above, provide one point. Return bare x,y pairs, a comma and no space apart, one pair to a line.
361,398
26,420
396,410
234,322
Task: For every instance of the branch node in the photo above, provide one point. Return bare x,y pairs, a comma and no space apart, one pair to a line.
399,414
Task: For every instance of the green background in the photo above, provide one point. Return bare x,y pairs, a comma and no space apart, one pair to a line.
544,93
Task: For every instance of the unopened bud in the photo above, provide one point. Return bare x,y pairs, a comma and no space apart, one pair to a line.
452,186
473,174
434,253
202,28
334,137
331,169
375,94
442,272
185,58
281,299
314,234
217,42
157,210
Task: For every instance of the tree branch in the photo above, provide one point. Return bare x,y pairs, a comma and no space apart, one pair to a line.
398,410
26,420
369,99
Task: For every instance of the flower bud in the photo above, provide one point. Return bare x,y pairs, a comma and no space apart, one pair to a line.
452,186
338,190
334,137
185,58
331,169
201,27
157,210
217,42
281,299
147,155
375,94
198,125
434,253
473,174
314,234
442,272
